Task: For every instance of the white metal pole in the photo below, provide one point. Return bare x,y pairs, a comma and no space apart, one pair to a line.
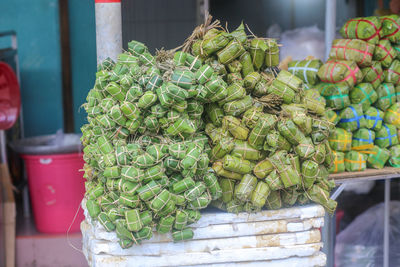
108,29
330,25
386,224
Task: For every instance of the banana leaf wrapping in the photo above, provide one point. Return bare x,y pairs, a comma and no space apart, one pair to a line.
219,169
336,95
196,191
263,168
321,196
352,118
338,163
320,153
259,132
274,181
363,139
305,149
133,221
222,147
290,131
309,172
314,102
165,224
340,140
384,53
373,74
237,107
234,126
244,189
352,49
215,113
378,157
397,48
257,52
290,176
392,74
386,96
394,160
237,165
106,222
212,184
201,202
183,185
235,91
299,116
340,72
306,70
392,115
391,28
289,196
242,149
282,90
364,28
290,80
275,141
397,93
386,136
184,234
274,200
272,53
355,161
230,52
214,43
227,187
250,80
260,194
363,94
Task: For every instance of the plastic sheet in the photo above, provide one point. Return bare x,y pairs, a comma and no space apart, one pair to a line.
361,243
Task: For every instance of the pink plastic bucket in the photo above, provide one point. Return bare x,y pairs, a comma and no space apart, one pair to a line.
56,189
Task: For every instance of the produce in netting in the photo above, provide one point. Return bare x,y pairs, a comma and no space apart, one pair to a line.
306,70
266,126
384,53
352,49
340,72
373,74
391,28
147,163
336,95
364,28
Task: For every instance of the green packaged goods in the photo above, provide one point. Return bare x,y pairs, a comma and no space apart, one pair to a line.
378,157
290,176
320,153
363,94
260,194
392,74
260,130
340,72
274,201
394,159
263,168
257,52
165,224
234,126
93,208
133,221
222,147
321,196
227,187
392,115
195,192
282,90
374,118
352,49
390,28
384,53
246,186
181,219
290,131
237,107
355,161
182,234
352,118
363,139
106,222
272,53
242,149
275,140
290,80
338,162
336,95
215,43
160,200
340,140
183,185
305,149
211,182
237,165
373,74
230,52
386,96
309,171
201,202
386,136
314,102
306,70
149,190
274,181
364,28
219,169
